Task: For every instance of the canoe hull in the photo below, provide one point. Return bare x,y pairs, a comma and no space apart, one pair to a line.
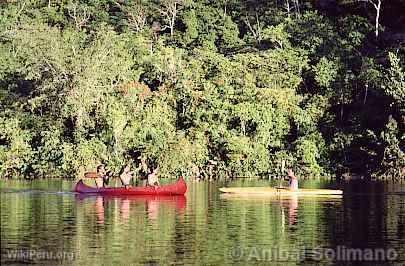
178,188
270,191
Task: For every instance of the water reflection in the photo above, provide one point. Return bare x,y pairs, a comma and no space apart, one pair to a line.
150,203
152,207
200,230
292,209
99,209
124,210
289,205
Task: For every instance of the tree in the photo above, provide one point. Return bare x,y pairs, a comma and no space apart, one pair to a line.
393,161
169,10
396,81
255,29
377,5
136,14
80,15
191,23
89,81
290,8
287,7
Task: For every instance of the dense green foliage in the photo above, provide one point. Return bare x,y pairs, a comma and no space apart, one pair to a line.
224,88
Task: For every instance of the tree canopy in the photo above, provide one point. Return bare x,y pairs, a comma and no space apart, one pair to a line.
220,88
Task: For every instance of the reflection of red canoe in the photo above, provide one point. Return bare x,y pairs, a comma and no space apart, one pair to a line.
179,201
178,188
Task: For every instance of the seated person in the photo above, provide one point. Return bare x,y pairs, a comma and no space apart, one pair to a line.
143,172
153,179
125,176
102,178
292,180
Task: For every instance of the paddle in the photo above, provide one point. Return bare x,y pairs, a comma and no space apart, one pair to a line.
96,175
282,172
91,175
281,187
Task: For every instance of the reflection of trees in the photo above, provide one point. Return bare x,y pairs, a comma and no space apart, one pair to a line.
34,220
369,218
286,222
201,233
142,227
96,229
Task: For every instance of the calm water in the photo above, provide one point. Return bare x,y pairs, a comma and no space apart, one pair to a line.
43,223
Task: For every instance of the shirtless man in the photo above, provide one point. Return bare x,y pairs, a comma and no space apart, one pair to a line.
292,180
153,179
102,179
125,176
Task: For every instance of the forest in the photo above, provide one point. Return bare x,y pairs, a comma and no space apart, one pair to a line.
206,88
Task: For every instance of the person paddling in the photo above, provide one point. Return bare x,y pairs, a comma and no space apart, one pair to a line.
143,171
153,179
102,178
125,176
292,180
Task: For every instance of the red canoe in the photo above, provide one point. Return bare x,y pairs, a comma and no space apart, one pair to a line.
178,188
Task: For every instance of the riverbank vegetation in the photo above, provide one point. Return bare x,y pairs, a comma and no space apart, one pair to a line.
211,88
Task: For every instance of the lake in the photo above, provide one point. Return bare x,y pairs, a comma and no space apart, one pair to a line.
42,222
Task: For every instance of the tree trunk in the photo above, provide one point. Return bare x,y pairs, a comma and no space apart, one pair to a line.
171,28
287,6
174,13
365,95
377,6
297,8
377,17
255,30
341,104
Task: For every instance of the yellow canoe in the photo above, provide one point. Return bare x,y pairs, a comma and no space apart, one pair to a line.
271,191
275,197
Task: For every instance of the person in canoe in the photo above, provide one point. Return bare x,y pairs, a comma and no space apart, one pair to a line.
143,171
292,180
125,176
153,179
102,176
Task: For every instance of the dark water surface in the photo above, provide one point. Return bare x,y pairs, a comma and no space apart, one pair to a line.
43,223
